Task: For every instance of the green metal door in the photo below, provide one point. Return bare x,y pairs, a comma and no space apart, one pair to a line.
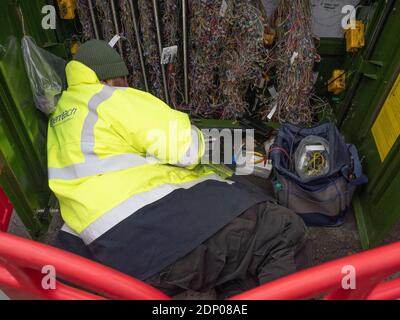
377,205
22,126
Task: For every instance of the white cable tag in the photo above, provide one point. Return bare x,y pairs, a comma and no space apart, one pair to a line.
114,40
224,7
315,77
294,57
168,54
273,93
271,114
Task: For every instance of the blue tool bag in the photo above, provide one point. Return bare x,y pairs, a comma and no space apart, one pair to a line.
319,200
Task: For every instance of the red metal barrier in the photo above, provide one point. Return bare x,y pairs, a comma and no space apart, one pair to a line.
6,210
370,267
22,260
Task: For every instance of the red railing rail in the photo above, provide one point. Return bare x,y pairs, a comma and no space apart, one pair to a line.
370,268
21,266
6,209
22,262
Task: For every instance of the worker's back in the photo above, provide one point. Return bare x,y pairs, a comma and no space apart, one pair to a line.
98,146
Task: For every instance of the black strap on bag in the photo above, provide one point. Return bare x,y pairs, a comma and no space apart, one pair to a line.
354,173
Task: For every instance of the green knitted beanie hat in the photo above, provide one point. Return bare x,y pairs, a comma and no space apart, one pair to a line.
99,56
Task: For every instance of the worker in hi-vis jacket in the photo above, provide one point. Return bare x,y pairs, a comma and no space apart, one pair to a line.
137,199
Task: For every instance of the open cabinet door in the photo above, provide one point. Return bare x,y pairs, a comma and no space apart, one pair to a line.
23,173
370,118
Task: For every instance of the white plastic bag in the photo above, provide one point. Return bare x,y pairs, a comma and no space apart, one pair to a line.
46,73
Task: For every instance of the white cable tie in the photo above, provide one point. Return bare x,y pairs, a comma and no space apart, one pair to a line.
294,57
224,7
114,40
271,114
272,91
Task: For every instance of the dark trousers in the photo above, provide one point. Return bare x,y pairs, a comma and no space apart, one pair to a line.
266,242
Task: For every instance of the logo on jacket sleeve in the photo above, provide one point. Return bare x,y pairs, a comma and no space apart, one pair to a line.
63,117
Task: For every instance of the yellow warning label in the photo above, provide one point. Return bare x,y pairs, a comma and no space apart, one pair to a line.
386,128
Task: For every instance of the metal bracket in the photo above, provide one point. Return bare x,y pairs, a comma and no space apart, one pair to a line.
45,214
368,68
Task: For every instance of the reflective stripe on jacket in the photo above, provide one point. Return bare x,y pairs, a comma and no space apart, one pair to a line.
112,151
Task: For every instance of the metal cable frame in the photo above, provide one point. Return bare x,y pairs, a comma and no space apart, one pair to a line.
138,44
160,49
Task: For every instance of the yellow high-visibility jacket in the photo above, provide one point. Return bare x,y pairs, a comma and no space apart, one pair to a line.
112,151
